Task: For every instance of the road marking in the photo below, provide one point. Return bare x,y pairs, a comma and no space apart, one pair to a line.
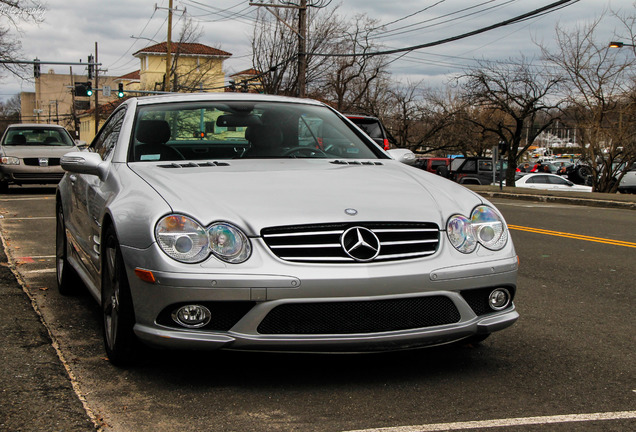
25,199
45,270
521,421
27,217
573,236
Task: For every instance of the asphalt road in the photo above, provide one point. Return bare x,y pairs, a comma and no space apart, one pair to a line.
571,352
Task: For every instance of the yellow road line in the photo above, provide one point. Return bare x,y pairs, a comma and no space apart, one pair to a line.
573,236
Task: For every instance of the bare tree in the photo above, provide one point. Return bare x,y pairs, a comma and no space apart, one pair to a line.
515,93
349,83
187,76
9,112
600,93
16,12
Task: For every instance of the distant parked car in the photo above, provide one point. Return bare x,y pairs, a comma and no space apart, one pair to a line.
628,182
435,165
547,181
373,127
473,170
30,154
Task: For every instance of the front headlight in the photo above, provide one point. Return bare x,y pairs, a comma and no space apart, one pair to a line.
461,234
9,160
489,227
182,239
485,227
228,243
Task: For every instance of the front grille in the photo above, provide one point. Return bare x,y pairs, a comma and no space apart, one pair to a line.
323,243
359,316
36,161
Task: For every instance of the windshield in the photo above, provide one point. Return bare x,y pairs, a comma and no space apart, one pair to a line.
37,136
244,130
370,126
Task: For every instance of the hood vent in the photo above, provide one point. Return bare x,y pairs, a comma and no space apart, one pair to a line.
194,164
354,162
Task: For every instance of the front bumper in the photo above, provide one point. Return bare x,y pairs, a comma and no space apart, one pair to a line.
323,293
29,174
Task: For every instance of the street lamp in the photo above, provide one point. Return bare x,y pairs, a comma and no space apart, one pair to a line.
615,44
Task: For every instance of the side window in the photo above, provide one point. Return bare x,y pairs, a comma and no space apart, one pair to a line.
105,142
469,166
541,179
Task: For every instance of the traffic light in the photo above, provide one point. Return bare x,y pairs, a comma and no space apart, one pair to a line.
36,68
120,90
80,89
89,89
503,148
91,67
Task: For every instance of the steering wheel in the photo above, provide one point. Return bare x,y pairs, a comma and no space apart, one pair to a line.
304,152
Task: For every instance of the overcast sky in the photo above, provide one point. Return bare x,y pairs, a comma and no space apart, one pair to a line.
70,28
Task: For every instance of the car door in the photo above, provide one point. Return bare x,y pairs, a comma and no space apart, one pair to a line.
559,183
91,196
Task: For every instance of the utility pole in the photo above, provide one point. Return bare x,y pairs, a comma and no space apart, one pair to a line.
96,93
166,78
302,49
302,39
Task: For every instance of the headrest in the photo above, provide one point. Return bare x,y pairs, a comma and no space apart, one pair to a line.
153,131
18,139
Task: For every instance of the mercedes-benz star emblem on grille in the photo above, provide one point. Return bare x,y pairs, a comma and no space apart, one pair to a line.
360,243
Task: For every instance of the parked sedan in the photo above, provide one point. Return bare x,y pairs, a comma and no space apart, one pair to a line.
30,154
211,222
549,182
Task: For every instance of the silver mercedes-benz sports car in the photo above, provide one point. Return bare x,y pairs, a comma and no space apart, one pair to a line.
254,222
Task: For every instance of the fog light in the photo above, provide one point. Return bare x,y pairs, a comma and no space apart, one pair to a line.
499,299
192,316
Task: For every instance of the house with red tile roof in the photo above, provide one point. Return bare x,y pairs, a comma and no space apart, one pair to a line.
194,67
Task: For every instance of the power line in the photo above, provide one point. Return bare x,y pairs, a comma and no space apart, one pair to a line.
510,21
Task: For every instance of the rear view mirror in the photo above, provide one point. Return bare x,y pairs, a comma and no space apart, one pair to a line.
405,156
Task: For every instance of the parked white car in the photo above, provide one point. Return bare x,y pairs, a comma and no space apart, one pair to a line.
550,182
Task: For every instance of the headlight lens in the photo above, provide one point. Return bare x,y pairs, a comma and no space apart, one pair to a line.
228,243
9,160
461,234
182,238
485,226
489,227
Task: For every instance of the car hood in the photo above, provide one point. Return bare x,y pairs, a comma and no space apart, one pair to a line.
255,194
21,151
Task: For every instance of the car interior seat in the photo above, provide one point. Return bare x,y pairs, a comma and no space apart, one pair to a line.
18,140
153,136
266,140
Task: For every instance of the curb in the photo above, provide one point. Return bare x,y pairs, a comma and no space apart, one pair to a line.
618,201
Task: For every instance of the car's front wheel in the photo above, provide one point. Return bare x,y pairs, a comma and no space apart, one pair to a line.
117,307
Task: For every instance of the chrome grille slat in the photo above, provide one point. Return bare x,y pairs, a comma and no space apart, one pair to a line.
324,244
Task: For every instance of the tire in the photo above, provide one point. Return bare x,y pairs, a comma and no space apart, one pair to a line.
121,344
4,187
68,281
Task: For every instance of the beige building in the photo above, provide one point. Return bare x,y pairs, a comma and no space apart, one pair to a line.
195,67
54,102
198,68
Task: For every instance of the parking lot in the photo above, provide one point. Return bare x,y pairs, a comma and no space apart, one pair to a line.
567,364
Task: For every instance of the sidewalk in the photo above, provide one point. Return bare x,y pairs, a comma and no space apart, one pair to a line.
594,199
36,393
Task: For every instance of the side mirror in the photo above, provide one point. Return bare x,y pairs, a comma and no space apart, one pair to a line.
405,156
84,163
